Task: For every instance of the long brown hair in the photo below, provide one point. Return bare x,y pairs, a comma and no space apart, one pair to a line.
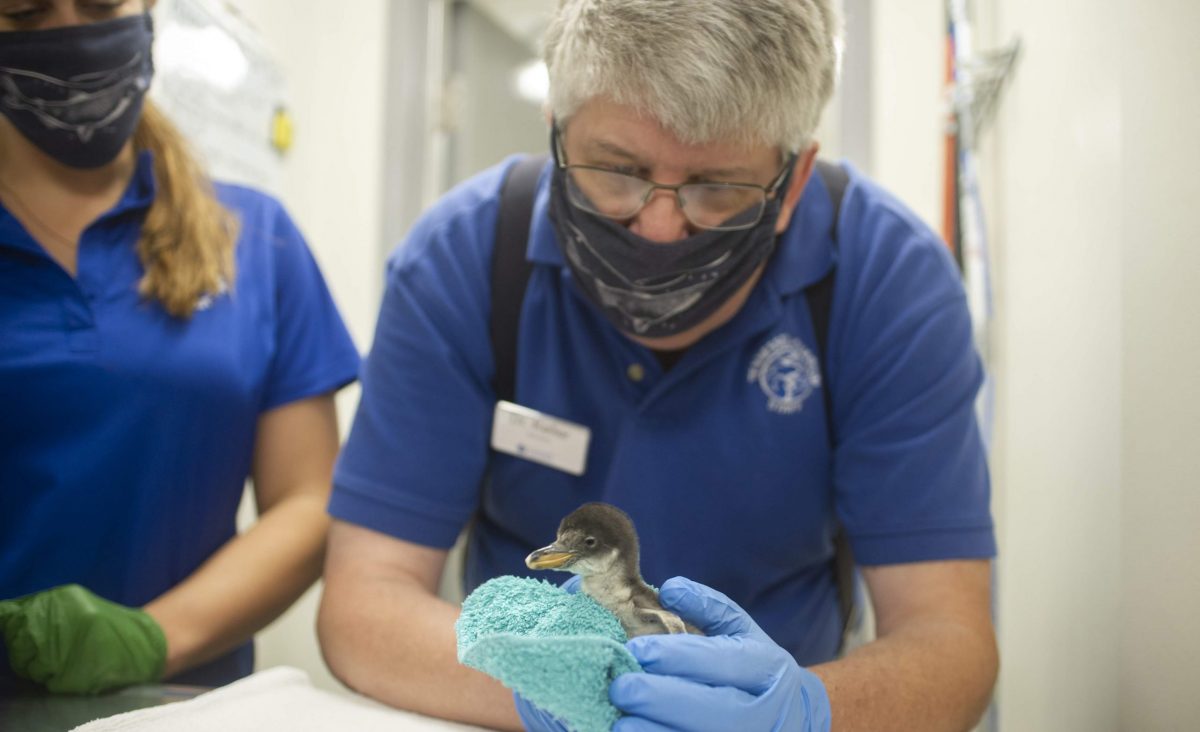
187,241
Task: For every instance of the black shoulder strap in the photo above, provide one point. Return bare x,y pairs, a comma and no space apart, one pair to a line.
510,268
820,303
820,293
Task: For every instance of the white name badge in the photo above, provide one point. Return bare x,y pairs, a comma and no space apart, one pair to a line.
538,437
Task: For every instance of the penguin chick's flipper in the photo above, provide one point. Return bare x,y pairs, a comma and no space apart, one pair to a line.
667,621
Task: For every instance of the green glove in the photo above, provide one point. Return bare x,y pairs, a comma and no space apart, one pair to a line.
73,642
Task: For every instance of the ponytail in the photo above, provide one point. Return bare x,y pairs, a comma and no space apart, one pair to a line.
187,241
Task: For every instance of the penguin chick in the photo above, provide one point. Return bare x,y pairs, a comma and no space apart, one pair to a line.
597,541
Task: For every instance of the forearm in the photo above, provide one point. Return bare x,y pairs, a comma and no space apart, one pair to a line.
394,641
244,586
933,676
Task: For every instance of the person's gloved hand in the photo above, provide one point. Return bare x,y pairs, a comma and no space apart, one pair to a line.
73,642
737,678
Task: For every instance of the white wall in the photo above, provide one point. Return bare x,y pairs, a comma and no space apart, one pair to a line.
1160,462
333,55
1091,186
1059,351
907,71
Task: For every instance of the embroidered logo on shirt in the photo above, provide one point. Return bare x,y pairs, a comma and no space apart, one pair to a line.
787,372
205,301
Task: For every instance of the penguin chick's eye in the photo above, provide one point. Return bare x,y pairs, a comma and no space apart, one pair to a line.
589,542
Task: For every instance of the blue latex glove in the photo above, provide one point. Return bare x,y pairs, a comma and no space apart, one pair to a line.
737,678
535,719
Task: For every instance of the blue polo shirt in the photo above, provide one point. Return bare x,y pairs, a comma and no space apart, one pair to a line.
723,461
126,435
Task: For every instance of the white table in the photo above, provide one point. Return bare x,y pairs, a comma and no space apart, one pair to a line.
275,699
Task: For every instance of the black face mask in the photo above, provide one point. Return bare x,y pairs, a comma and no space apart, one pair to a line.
77,92
650,289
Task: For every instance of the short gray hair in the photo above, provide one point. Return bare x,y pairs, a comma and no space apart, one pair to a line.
743,71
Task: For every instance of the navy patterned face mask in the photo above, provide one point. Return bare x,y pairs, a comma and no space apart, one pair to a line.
650,289
76,92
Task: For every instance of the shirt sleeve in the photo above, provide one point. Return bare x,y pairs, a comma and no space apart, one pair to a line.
417,451
313,352
910,470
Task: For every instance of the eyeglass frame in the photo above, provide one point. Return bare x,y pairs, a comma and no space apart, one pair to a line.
769,191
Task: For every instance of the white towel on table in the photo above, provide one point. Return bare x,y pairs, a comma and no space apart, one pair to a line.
276,699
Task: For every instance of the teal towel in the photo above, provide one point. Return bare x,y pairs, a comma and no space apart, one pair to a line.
560,651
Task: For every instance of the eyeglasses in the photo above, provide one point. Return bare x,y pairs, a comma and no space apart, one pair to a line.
715,206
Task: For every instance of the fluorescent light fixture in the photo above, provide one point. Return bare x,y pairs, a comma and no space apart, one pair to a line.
207,53
533,82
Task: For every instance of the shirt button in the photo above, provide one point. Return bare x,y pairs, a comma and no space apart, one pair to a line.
636,372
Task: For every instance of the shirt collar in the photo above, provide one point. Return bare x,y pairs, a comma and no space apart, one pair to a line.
803,255
805,252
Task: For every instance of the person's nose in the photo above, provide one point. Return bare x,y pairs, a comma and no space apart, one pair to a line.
661,220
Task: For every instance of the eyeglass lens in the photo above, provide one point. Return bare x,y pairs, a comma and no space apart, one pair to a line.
710,206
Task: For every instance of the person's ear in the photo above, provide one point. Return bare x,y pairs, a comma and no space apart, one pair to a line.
803,170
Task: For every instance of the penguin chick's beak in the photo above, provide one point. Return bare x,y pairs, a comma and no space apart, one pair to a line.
550,557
